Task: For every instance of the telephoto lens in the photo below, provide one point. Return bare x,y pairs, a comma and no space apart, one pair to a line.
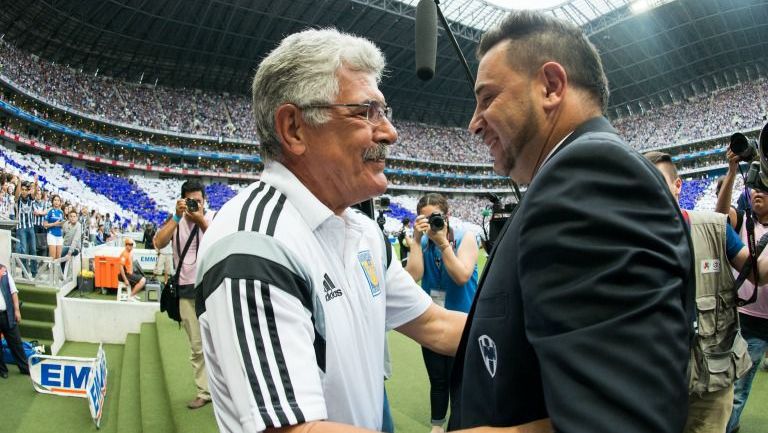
436,221
741,146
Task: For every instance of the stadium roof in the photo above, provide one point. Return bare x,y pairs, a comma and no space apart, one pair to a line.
654,51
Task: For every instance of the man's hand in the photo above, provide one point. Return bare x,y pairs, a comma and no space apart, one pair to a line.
17,315
197,217
181,207
733,161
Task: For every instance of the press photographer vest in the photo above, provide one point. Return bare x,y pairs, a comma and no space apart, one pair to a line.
718,352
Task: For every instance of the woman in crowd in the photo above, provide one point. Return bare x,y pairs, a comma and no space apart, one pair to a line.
54,219
444,258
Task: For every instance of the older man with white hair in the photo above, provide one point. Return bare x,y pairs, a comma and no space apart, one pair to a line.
296,290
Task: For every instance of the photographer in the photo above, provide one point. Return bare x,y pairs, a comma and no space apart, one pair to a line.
185,230
444,258
753,318
718,351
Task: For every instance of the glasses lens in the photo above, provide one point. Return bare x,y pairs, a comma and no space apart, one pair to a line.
377,111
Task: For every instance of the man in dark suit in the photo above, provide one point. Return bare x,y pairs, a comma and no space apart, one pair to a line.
582,315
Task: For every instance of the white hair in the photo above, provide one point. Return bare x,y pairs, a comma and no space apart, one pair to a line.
302,71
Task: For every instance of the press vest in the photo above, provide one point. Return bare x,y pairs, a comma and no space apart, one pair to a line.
719,352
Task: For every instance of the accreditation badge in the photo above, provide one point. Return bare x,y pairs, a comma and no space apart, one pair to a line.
369,269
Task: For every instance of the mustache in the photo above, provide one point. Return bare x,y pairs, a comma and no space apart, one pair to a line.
376,153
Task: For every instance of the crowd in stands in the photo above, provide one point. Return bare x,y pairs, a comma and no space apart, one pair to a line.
723,112
193,111
415,157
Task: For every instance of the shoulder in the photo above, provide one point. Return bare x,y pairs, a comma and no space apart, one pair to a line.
599,158
256,206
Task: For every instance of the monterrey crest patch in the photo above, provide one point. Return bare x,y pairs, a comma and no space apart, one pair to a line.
488,350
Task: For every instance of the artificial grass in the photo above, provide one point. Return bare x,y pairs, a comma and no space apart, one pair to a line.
408,388
754,418
129,398
155,406
179,378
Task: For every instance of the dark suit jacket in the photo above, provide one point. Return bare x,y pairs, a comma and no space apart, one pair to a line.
582,311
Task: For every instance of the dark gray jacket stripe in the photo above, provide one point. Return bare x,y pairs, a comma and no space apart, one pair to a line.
253,314
246,354
249,267
259,213
282,367
247,204
275,215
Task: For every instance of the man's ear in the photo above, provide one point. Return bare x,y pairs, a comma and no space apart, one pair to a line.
554,80
290,128
678,186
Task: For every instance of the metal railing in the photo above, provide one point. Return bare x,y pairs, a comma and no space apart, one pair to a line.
49,272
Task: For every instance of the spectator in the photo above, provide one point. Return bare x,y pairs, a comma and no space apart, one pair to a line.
25,231
129,274
148,236
54,220
40,210
73,235
101,237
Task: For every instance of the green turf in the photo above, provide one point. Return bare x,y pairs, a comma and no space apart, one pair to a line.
96,294
179,378
155,406
40,312
129,398
16,397
754,419
38,295
408,389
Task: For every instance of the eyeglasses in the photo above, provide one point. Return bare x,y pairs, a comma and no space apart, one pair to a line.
128,245
375,111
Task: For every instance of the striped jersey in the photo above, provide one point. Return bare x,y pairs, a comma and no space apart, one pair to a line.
24,212
294,302
40,206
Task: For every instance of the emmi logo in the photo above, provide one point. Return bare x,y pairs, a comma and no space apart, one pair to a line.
70,379
330,289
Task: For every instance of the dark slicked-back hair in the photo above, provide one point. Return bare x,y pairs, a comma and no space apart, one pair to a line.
192,185
537,38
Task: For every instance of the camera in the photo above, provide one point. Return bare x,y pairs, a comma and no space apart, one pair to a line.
436,221
757,177
499,212
192,205
382,204
742,147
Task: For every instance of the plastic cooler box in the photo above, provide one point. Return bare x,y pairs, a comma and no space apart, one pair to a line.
106,272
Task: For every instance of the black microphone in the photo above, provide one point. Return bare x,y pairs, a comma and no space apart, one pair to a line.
426,39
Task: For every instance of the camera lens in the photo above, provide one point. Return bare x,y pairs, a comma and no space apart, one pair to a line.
192,205
436,221
740,146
